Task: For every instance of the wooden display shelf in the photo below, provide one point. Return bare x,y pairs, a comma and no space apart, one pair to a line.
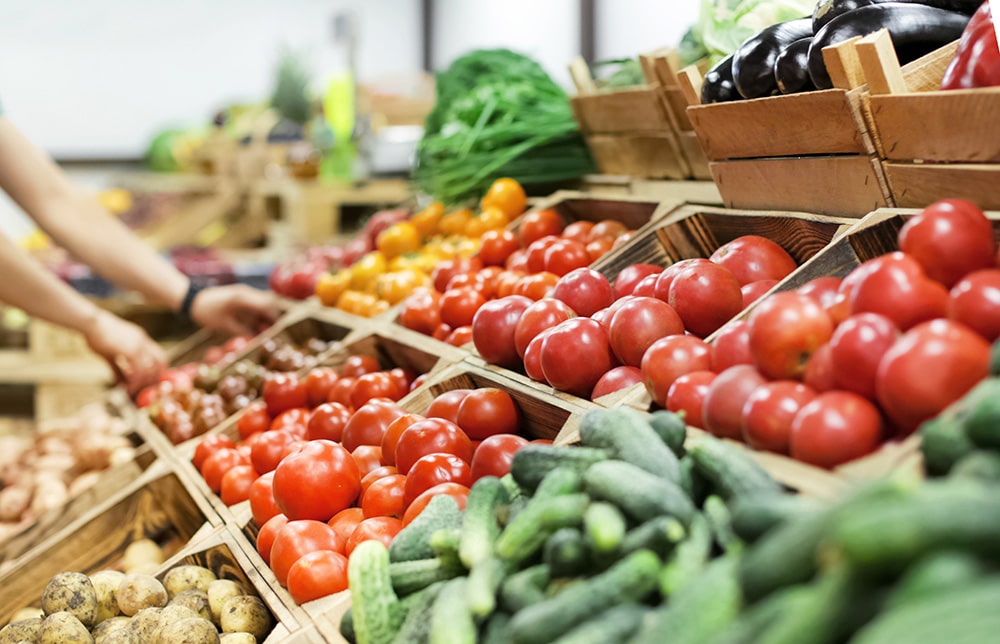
686,191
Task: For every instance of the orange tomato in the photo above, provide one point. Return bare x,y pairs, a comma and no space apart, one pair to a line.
398,239
536,286
426,221
394,287
362,304
454,222
507,195
491,218
505,282
330,286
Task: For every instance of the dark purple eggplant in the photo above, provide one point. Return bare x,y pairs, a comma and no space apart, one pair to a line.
827,10
915,30
753,62
718,86
791,69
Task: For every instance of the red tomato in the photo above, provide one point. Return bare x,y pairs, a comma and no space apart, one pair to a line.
670,357
533,357
488,411
785,329
341,391
753,291
731,345
381,529
445,405
459,307
458,492
476,281
430,436
253,419
421,311
460,336
268,448
578,231
822,289
493,330
375,385
431,470
284,391
895,286
494,455
505,281
629,276
603,317
607,228
299,538
318,383
575,354
496,246
931,366
368,458
835,427
418,381
359,365
344,522
449,268
722,411
403,377
536,286
374,475
391,436
317,574
949,239
705,296
368,424
535,253
615,380
856,347
598,248
975,301
769,411
687,396
819,369
565,255
516,264
209,445
147,396
538,224
751,258
217,464
317,481
261,496
235,485
384,497
268,531
541,315
584,290
295,421
647,286
328,421
639,323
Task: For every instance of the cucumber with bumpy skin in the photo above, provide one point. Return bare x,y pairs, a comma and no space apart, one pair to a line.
627,435
754,516
480,527
605,526
638,493
416,626
412,576
533,462
544,515
485,578
376,610
731,470
615,624
940,572
524,587
659,534
414,541
671,429
451,622
566,553
689,557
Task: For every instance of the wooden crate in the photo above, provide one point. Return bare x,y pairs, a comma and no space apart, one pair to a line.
156,505
573,205
698,191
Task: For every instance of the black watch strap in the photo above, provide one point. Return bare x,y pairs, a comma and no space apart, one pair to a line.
192,292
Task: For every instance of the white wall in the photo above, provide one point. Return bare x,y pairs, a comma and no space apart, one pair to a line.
625,28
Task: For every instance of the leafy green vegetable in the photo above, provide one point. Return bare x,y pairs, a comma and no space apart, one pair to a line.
498,114
628,72
725,24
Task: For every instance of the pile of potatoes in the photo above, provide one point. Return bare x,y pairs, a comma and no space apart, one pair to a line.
190,606
60,460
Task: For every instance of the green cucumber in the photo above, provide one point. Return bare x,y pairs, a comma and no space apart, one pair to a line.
980,464
451,622
940,572
659,535
411,576
700,611
629,580
721,523
616,624
995,359
982,416
626,434
692,482
689,557
376,611
755,516
415,629
414,541
526,534
731,470
566,553
532,462
497,629
559,480
750,626
445,543
485,578
524,587
944,443
346,626
480,527
638,493
605,526
671,429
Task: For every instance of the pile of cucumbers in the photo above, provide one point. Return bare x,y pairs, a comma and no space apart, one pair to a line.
644,535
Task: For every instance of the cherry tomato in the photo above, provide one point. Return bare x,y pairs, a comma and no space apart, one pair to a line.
731,345
537,285
376,474
345,521
896,286
538,224
265,536
493,330
458,492
629,276
375,385
670,357
421,311
392,433
430,436
687,396
822,289
488,411
975,302
753,291
856,348
434,469
476,281
752,257
317,574
541,315
769,411
575,354
665,278
506,195
705,296
598,248
253,419
615,380
949,239
208,446
368,458
496,246
835,427
785,329
318,383
217,464
381,529
369,422
505,281
445,405
448,268
268,448
384,497
607,228
819,370
494,455
565,255
460,336
533,357
722,411
261,496
328,421
299,538
295,421
637,324
235,485
284,391
317,481
459,306
341,391
578,231
584,290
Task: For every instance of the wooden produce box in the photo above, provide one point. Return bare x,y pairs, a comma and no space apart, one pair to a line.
686,191
631,210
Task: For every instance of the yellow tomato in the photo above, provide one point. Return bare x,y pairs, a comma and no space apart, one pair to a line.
394,287
491,218
455,221
330,286
467,247
507,195
427,219
398,239
365,270
356,303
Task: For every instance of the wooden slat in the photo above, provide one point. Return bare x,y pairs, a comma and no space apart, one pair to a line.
624,110
877,57
645,155
958,125
843,65
918,185
694,153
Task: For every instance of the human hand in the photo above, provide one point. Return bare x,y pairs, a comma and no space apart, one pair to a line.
135,359
236,309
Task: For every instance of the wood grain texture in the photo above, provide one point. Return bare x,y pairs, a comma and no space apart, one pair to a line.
917,185
653,155
844,186
572,205
623,110
957,125
694,153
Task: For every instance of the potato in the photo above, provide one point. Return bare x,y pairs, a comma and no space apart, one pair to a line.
246,614
74,593
105,628
196,600
188,577
50,493
219,592
27,613
237,638
139,591
63,628
106,582
118,636
140,553
145,623
22,629
193,630
15,501
175,613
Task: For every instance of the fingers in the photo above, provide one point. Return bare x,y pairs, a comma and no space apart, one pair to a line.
264,304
